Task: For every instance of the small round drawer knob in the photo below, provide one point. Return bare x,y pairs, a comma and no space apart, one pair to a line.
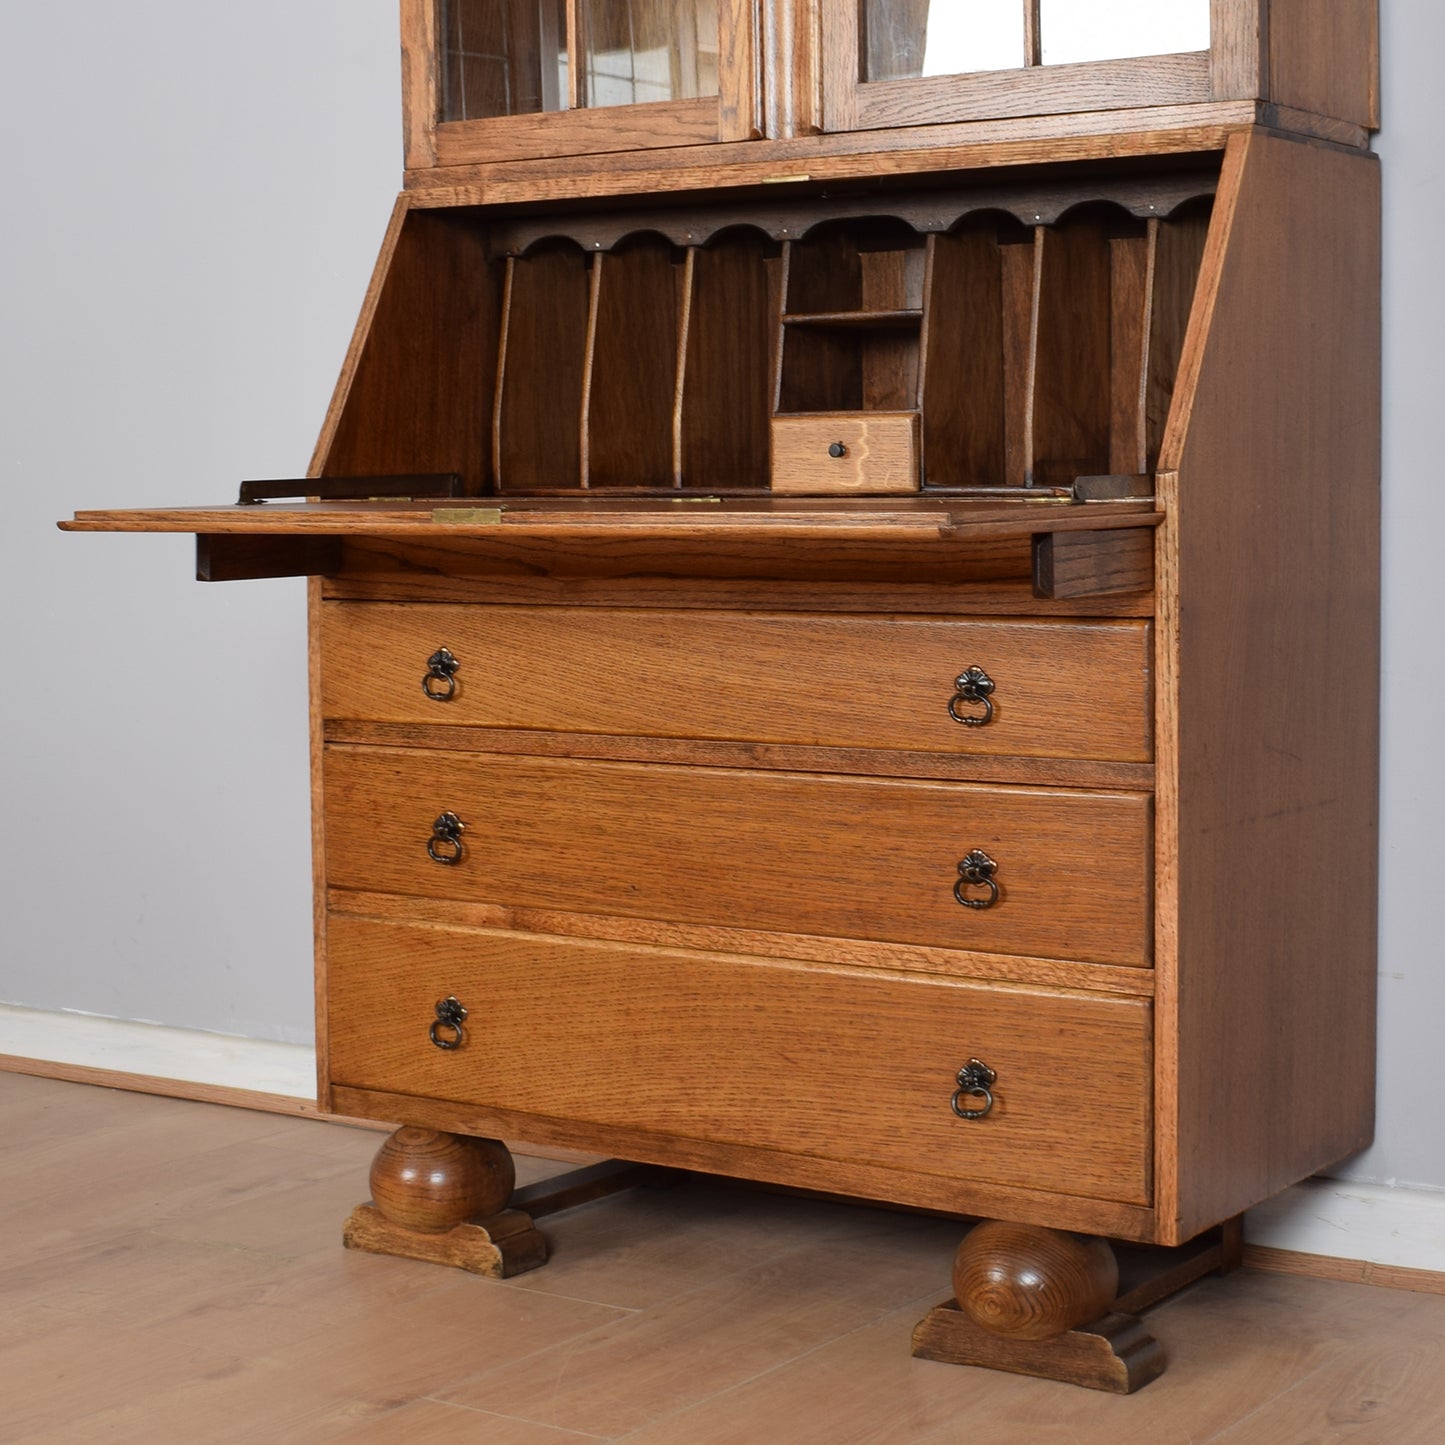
838,449
975,872
440,681
445,845
973,689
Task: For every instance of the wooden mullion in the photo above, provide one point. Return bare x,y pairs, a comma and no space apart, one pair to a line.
1033,34
740,70
842,38
574,55
420,98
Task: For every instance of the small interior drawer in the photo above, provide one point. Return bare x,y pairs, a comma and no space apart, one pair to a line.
805,1059
1064,873
1066,689
828,453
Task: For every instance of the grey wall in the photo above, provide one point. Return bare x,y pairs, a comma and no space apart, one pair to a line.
195,197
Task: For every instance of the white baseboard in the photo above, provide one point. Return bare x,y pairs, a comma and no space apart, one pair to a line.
190,1056
1400,1228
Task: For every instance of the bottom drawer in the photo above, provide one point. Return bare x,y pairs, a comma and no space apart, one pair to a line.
849,1065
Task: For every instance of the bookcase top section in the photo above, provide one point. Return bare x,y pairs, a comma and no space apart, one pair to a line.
750,101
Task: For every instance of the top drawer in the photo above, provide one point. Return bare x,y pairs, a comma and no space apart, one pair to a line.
1051,689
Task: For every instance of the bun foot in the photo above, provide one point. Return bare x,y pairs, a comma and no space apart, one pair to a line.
442,1198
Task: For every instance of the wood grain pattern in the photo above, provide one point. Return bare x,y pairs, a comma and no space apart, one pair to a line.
542,370
428,1181
418,399
991,577
1298,939
1158,131
853,1178
1131,288
1326,60
420,105
1070,392
789,679
962,382
633,367
1020,1282
728,364
752,1054
719,938
1093,564
880,454
709,753
497,1247
856,858
1115,1354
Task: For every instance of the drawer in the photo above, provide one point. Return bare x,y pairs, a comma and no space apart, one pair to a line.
785,852
833,1063
1059,689
843,452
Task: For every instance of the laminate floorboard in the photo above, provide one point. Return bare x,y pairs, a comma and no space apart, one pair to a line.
173,1272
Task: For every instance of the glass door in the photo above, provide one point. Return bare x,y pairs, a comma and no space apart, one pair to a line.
911,62
513,79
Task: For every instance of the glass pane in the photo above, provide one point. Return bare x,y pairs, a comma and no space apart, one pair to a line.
503,57
904,39
1114,29
640,50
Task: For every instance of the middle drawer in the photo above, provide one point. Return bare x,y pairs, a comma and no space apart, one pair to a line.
1060,689
1055,872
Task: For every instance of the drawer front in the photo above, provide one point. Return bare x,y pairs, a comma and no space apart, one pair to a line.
1052,689
845,453
833,1063
796,853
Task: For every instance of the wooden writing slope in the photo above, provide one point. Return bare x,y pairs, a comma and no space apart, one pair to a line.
830,584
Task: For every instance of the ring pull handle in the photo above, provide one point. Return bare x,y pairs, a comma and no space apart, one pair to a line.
446,1031
445,844
440,681
975,1082
976,871
974,689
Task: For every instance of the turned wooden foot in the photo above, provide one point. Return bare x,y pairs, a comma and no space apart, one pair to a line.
442,1197
1038,1302
1063,1306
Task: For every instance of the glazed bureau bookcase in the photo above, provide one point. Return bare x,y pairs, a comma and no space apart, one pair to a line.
844,630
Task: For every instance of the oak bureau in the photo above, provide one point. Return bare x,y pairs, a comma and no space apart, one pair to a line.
844,629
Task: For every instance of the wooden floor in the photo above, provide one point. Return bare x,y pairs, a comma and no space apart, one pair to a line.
172,1272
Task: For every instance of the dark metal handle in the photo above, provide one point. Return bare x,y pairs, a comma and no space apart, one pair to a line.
976,871
974,688
441,668
445,844
975,1081
446,1031
837,449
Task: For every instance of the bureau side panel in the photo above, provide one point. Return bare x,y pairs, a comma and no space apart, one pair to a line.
1268,747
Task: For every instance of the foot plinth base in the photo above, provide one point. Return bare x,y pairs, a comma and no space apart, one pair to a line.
505,1244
